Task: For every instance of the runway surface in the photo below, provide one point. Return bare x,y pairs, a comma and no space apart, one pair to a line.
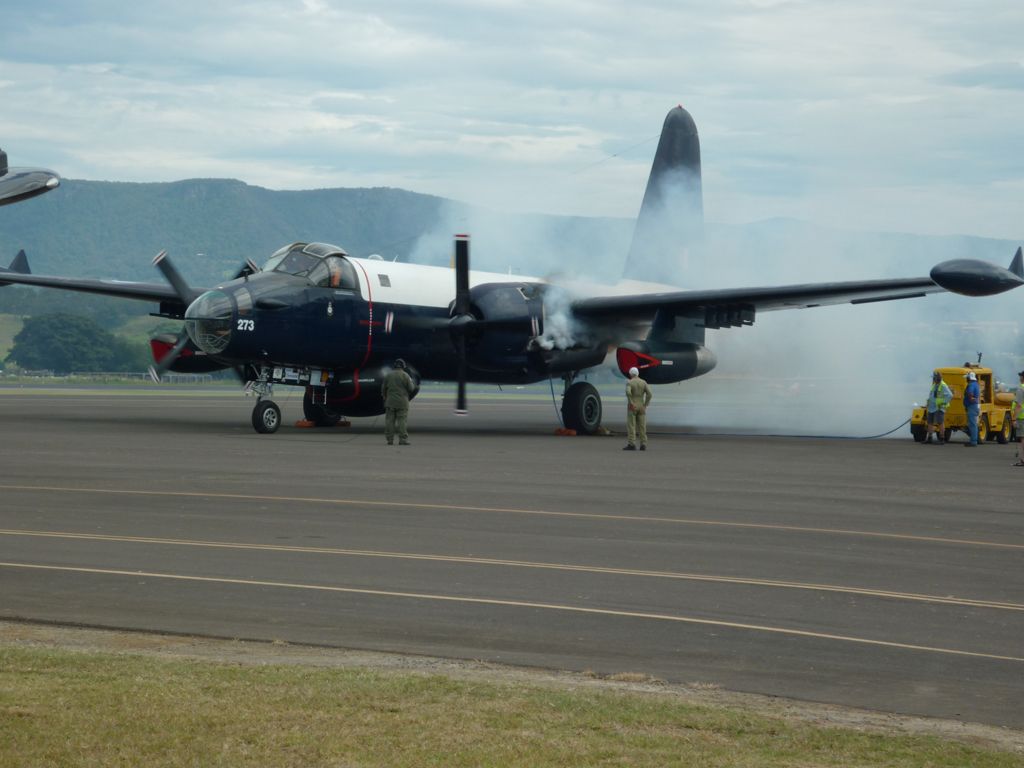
876,574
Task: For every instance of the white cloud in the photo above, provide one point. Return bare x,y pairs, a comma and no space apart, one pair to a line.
885,116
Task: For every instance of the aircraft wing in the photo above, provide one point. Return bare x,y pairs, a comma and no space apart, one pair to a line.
121,288
642,307
737,306
19,273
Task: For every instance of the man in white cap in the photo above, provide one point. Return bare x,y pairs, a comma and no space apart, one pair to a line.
972,404
638,396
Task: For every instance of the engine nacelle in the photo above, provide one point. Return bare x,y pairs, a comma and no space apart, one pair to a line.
191,360
509,315
527,326
359,393
663,362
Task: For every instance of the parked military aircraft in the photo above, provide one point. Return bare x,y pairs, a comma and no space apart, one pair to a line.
316,317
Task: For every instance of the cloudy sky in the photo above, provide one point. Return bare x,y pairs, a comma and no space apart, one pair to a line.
871,114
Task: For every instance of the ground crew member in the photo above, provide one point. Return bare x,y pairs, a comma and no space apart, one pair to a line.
939,397
638,396
972,404
1017,410
397,389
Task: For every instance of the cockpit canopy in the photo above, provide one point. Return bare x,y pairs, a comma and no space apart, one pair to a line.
322,264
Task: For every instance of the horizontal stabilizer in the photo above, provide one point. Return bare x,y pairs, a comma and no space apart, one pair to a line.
18,266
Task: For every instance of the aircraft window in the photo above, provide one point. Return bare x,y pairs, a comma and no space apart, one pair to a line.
324,249
296,262
208,322
322,263
384,280
273,261
278,256
334,272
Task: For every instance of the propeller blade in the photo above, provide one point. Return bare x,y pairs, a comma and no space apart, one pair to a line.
163,262
460,399
461,275
462,316
158,370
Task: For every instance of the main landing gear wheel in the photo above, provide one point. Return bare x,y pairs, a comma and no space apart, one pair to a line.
266,417
319,414
581,408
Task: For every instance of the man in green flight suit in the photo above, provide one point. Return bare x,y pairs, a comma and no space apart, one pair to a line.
638,397
397,389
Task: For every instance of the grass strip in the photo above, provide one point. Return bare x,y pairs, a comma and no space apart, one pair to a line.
74,708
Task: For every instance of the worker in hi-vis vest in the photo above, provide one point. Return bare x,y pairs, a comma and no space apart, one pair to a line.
939,398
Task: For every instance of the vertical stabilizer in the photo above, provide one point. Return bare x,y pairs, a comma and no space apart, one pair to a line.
671,219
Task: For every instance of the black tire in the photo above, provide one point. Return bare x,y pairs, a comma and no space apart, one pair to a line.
919,432
1004,434
266,417
318,413
581,408
947,434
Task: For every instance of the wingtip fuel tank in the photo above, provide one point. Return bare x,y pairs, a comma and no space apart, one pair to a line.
17,184
971,277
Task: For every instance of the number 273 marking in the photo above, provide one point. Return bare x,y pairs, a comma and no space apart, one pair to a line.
246,325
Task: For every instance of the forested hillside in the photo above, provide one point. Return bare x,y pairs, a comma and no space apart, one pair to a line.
210,226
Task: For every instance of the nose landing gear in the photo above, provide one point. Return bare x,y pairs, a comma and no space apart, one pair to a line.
266,416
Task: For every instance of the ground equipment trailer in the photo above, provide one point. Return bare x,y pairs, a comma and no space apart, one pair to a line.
995,421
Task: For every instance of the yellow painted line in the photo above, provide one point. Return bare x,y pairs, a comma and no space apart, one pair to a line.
681,576
518,604
514,511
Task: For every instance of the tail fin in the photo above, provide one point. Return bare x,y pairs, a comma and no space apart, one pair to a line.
671,219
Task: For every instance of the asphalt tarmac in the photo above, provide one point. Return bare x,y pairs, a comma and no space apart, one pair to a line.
870,573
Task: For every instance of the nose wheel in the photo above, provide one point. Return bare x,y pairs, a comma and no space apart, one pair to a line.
266,417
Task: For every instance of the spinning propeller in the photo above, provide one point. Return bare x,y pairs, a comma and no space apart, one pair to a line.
185,293
462,317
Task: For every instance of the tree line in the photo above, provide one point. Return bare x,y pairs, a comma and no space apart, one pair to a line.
66,343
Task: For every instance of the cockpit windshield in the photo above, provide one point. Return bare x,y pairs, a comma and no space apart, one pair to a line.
323,264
